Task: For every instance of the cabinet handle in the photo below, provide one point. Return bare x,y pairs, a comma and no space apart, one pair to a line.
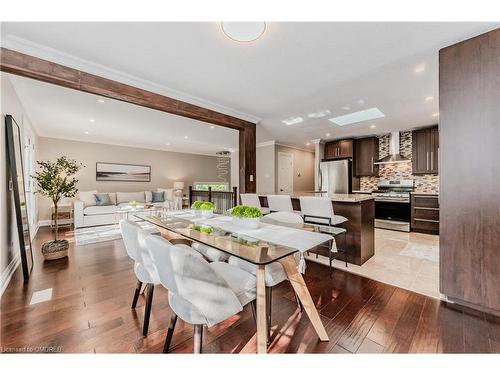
427,220
426,208
427,160
432,160
372,164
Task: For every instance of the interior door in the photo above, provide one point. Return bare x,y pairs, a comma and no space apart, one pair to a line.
285,172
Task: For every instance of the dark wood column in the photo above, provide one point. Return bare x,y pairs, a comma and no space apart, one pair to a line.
469,101
29,66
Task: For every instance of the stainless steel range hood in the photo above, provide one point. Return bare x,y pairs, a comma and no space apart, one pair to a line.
394,156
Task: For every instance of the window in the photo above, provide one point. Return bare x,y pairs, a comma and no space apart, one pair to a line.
216,186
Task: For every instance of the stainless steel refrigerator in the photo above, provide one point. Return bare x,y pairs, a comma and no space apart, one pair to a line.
335,176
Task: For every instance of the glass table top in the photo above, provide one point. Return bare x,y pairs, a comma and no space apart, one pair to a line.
242,246
333,231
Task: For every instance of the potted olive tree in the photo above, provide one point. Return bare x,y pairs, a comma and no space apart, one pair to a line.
56,180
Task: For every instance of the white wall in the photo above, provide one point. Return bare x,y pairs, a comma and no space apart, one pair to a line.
265,168
10,104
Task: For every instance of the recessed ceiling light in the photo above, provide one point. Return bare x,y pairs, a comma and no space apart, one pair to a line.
428,98
420,68
292,120
327,134
360,102
308,143
435,114
319,114
244,32
346,108
92,120
186,137
372,126
212,127
86,132
360,116
167,144
101,100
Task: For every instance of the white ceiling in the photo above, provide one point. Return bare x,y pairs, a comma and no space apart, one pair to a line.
293,70
58,112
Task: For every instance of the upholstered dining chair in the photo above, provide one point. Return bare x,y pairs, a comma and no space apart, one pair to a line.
319,210
279,203
133,239
274,272
253,200
199,292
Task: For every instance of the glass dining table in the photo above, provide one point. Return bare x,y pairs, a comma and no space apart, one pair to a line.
253,250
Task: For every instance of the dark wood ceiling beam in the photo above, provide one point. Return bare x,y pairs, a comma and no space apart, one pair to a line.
29,66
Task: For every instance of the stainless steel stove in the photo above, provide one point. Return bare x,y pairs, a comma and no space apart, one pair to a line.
392,204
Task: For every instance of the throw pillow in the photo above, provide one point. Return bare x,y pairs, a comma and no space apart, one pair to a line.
158,196
102,199
87,197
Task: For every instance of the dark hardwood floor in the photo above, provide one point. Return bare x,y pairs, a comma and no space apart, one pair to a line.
92,291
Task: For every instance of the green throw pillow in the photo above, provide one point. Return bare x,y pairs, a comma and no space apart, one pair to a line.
102,199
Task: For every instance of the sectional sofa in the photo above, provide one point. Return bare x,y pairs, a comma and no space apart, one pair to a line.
88,214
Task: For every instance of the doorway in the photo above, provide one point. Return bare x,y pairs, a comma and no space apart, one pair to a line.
285,173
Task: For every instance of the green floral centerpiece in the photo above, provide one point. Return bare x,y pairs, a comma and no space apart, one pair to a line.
246,216
203,208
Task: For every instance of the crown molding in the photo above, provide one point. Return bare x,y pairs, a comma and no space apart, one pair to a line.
295,147
318,140
28,47
265,144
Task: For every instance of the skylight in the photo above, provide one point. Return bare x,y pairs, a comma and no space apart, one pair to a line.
360,116
292,120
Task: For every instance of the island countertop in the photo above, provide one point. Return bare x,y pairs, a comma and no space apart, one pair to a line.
351,198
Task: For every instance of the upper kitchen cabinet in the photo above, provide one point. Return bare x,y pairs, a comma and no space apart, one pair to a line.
425,150
366,153
339,149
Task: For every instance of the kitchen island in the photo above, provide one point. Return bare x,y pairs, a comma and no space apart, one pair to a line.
359,209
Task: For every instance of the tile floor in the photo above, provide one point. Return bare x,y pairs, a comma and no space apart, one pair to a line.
414,273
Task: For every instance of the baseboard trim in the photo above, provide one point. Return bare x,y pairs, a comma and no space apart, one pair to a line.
8,272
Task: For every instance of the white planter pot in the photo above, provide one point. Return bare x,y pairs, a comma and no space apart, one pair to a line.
207,213
247,222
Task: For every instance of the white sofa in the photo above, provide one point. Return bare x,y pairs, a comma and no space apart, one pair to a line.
87,214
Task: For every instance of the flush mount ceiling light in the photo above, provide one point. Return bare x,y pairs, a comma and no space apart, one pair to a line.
420,68
292,120
360,116
319,114
243,32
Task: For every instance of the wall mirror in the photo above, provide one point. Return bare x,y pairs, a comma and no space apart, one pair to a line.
17,186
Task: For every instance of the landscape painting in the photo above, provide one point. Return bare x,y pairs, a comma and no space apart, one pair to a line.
123,172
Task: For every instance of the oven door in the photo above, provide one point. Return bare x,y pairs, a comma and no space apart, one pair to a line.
396,211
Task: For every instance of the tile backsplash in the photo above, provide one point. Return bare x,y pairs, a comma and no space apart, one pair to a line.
426,183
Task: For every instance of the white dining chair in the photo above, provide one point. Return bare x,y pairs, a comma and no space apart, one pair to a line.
133,238
253,200
199,292
274,272
319,210
278,203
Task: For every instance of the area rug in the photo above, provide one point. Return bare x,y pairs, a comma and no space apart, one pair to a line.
85,236
428,252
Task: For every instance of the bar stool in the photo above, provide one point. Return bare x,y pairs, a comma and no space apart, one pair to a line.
253,200
279,203
319,210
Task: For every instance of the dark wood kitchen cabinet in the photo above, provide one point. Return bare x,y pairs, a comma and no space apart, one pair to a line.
340,149
365,154
425,151
425,213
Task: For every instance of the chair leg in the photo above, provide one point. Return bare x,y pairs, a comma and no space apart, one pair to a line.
299,303
253,304
330,258
170,333
345,248
269,295
147,311
136,293
198,338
